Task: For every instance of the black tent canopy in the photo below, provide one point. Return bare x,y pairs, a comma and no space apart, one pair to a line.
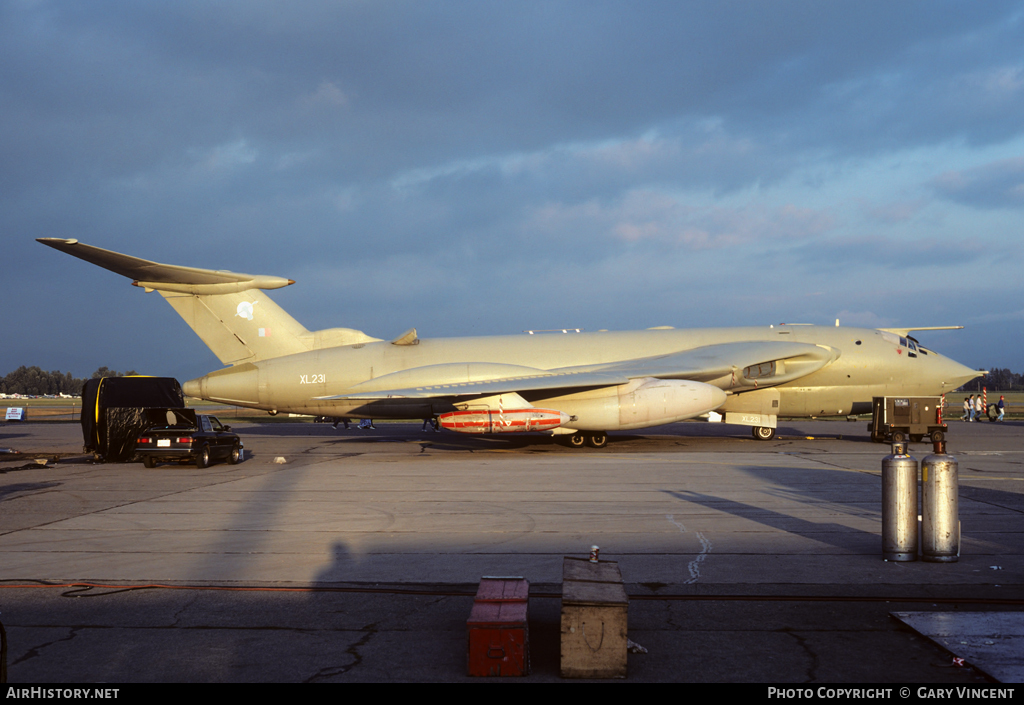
116,409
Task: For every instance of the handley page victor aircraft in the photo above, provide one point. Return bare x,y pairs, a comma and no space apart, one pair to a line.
578,384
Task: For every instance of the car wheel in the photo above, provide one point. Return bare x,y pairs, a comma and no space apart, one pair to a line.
149,461
203,457
937,436
236,455
763,433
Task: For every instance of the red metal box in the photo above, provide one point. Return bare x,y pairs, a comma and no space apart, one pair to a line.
499,642
503,590
498,639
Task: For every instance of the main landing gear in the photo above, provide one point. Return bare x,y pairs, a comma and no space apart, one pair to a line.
594,439
763,433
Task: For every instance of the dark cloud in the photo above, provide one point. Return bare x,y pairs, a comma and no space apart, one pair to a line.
414,164
999,184
369,89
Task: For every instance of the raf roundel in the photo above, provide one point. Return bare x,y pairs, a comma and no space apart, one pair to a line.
244,310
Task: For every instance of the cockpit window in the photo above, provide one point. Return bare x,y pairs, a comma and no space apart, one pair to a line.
908,343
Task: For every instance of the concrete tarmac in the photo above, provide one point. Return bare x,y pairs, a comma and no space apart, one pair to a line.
356,558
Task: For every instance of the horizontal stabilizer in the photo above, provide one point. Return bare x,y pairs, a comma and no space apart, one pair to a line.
166,277
907,331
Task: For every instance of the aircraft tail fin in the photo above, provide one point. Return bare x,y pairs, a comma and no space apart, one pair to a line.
228,310
243,326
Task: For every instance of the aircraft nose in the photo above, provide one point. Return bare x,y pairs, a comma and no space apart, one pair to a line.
955,375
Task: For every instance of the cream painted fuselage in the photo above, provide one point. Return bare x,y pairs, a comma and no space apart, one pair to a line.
864,363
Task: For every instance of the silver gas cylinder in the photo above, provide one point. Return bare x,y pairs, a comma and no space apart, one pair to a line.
899,505
940,507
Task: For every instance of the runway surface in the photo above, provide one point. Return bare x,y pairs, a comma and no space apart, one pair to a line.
745,561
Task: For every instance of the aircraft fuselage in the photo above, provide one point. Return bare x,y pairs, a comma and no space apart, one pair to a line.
866,363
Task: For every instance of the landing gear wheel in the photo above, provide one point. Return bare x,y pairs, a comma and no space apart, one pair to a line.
235,456
598,439
763,433
203,458
577,440
149,462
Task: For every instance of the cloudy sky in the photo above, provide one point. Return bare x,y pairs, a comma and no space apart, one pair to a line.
480,167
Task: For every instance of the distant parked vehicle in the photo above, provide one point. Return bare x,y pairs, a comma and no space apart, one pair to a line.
189,437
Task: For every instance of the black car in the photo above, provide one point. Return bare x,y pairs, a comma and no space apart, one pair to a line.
201,441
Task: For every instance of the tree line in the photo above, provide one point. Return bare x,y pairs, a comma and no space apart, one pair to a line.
36,381
998,379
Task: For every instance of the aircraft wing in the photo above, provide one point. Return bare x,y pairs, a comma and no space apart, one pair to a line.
756,363
549,381
730,366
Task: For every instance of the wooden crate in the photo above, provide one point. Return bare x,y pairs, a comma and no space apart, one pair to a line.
594,620
581,569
